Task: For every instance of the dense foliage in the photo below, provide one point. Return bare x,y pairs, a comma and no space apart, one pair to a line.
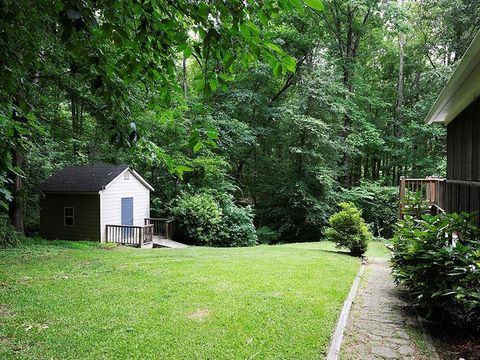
275,105
9,237
379,206
348,229
198,217
205,220
437,258
415,204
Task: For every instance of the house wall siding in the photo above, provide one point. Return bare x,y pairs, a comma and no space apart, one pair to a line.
111,213
87,216
463,148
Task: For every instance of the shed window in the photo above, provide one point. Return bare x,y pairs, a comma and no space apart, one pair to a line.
126,176
69,216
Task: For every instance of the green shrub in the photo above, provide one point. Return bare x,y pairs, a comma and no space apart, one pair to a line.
415,204
198,218
438,259
348,229
236,227
267,235
205,219
379,205
9,237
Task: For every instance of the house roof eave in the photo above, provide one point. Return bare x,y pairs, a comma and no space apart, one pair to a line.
134,173
462,88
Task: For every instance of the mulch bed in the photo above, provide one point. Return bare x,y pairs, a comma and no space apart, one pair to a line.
453,343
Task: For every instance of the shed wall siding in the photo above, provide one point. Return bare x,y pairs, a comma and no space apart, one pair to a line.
463,167
111,200
87,216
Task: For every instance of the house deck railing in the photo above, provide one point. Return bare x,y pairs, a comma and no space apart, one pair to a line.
129,234
432,191
162,227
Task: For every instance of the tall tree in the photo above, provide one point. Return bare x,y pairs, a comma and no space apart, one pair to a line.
116,45
347,21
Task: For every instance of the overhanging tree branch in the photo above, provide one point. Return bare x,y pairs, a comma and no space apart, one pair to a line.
289,81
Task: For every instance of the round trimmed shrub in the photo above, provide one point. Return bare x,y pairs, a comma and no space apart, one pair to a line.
349,230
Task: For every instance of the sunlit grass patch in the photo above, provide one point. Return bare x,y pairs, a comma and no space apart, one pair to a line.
80,301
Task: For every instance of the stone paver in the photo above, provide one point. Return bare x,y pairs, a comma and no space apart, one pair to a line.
377,325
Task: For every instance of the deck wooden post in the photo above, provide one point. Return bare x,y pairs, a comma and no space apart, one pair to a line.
401,197
142,234
433,192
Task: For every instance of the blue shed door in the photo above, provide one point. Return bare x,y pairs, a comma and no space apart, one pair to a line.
127,211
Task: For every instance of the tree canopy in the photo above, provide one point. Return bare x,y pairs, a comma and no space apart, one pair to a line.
272,111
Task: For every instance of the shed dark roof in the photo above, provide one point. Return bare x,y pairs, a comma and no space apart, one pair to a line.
82,178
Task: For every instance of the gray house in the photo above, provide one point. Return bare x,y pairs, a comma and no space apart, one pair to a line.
458,107
78,202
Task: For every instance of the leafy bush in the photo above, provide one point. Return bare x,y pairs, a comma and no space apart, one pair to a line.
348,229
438,259
415,204
8,235
198,218
236,227
379,205
205,219
267,235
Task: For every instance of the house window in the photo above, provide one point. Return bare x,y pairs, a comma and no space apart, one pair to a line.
126,176
69,216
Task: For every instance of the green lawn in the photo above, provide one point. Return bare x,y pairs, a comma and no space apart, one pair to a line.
76,300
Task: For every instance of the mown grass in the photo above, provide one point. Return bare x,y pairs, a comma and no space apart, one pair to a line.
72,300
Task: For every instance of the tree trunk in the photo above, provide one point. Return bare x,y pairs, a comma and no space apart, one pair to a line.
17,205
75,123
184,76
347,123
238,175
401,65
300,156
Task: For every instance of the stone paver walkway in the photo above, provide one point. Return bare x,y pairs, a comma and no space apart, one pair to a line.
378,325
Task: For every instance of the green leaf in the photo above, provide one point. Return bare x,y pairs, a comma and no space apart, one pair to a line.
213,84
245,29
298,5
277,70
229,61
226,77
263,18
212,134
315,4
182,168
274,47
290,63
197,147
203,10
187,52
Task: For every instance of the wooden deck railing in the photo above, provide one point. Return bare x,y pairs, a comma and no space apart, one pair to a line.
432,191
129,234
162,227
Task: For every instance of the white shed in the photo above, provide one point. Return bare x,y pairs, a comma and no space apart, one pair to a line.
79,202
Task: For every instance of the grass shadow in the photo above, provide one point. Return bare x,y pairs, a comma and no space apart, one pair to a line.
339,252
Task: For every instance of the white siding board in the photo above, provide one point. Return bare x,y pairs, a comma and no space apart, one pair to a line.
111,208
